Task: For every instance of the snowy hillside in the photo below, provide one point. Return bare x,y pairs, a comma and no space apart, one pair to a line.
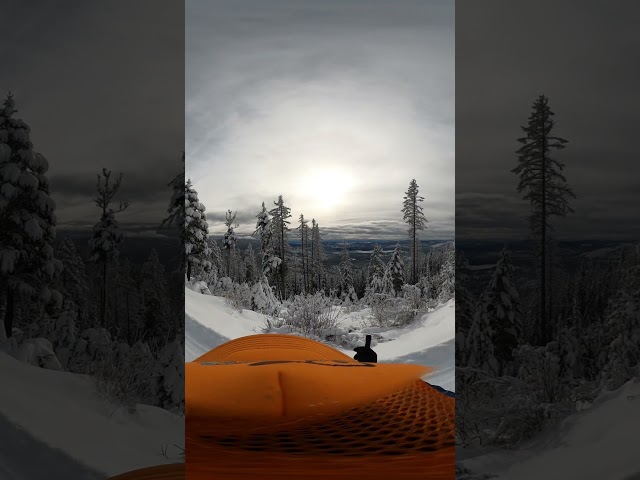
598,443
55,425
209,322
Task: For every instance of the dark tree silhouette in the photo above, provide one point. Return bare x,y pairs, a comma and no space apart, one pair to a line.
545,187
106,236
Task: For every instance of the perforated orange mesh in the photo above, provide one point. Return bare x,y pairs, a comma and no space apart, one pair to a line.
279,388
162,472
408,434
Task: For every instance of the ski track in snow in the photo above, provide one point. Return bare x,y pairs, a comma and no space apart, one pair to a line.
428,341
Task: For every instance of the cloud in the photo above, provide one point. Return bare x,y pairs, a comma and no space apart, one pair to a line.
581,63
334,106
100,88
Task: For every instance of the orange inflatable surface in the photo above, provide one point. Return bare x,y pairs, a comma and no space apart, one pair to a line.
281,406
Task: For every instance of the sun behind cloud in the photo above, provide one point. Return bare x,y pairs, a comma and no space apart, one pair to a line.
327,188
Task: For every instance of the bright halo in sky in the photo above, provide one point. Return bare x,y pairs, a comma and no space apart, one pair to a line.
327,188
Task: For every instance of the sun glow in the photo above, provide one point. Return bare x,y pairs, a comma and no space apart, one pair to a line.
328,188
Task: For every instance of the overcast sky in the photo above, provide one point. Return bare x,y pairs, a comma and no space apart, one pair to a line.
583,56
336,105
101,84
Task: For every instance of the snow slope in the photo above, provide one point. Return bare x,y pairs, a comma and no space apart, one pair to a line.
53,421
429,341
596,444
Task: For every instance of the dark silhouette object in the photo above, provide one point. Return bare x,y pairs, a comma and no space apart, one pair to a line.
545,186
366,354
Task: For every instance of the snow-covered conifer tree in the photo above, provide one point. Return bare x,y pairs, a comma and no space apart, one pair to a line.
396,270
28,267
501,304
376,271
196,230
230,238
269,261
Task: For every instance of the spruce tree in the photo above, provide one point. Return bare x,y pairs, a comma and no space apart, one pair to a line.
500,302
28,267
479,344
376,271
545,187
229,239
196,230
264,230
396,271
415,218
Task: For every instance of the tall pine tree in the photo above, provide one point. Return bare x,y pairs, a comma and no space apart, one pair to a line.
279,217
106,233
415,218
545,187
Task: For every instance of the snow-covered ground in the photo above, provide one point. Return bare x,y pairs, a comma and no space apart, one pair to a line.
56,425
599,443
428,341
